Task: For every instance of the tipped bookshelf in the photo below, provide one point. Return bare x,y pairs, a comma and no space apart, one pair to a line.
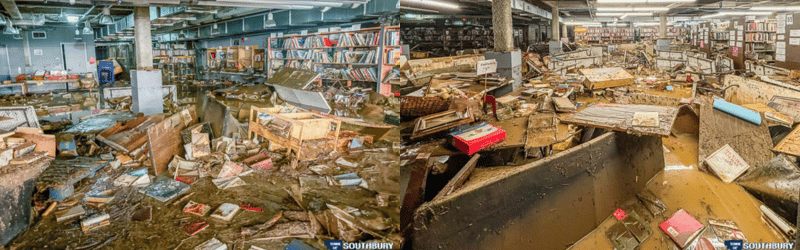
364,55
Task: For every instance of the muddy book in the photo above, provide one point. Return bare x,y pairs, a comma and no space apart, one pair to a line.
681,227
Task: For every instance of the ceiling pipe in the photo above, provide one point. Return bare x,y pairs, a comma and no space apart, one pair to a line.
11,8
83,17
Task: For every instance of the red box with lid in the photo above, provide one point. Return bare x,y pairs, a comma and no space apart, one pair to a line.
478,137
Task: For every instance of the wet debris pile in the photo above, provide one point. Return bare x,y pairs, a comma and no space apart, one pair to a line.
746,126
278,175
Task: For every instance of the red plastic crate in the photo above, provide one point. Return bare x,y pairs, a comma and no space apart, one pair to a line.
478,137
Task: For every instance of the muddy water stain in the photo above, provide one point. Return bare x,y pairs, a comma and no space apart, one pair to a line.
701,194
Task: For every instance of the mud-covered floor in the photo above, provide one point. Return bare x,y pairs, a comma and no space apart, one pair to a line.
682,186
280,189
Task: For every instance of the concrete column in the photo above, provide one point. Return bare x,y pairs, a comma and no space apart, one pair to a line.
564,33
663,41
554,24
662,30
509,59
502,24
146,92
143,38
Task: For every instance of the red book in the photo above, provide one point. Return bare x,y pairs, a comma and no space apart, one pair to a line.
327,42
195,228
478,137
681,227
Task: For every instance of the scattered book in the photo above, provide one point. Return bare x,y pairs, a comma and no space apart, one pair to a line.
69,214
681,228
195,228
727,164
195,208
226,211
164,189
212,244
95,222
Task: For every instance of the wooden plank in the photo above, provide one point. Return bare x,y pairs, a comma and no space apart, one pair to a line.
542,130
515,132
601,78
438,122
619,117
164,138
753,91
718,128
790,144
130,135
460,177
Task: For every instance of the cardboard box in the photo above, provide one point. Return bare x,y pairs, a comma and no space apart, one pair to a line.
478,137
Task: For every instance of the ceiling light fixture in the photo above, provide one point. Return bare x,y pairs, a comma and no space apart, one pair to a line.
73,19
434,4
738,13
632,9
623,14
269,22
10,30
776,8
646,1
574,23
87,28
106,18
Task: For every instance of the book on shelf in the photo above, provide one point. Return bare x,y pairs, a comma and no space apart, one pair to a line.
392,38
360,74
761,26
393,55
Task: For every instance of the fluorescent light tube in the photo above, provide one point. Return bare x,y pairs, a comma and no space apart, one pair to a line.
434,3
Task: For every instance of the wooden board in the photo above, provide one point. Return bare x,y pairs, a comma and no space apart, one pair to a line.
542,130
790,144
164,138
753,91
786,105
130,135
515,132
718,128
44,143
619,117
606,77
460,177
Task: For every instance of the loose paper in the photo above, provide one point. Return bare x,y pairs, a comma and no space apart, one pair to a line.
794,41
781,37
781,23
794,33
739,44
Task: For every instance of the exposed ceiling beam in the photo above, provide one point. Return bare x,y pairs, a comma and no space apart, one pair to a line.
11,9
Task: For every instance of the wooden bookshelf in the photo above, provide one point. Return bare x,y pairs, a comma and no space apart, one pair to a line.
607,35
235,58
175,59
759,40
364,55
650,33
